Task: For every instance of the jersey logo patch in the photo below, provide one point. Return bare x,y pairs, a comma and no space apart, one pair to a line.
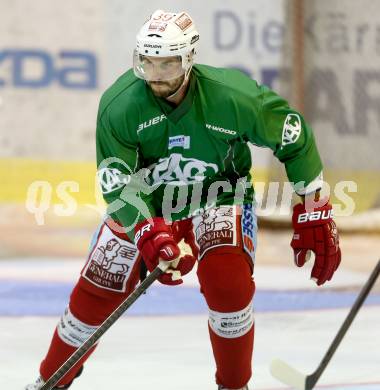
291,130
111,179
179,141
179,170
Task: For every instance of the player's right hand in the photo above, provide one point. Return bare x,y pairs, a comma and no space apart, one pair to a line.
155,241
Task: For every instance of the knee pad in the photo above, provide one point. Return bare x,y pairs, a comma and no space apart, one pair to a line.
225,276
227,284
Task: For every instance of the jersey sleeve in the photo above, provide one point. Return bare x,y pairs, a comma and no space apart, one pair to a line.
123,184
285,131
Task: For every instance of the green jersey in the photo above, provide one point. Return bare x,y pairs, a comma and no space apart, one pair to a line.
154,157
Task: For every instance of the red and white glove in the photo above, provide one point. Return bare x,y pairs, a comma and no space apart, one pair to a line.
155,242
316,231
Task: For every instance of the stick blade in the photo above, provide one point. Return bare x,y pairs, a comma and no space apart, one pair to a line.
287,374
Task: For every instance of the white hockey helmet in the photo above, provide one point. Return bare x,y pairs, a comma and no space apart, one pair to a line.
165,34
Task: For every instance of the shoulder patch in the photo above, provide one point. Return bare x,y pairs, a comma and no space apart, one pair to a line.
291,130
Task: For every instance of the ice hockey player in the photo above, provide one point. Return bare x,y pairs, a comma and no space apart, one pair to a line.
174,164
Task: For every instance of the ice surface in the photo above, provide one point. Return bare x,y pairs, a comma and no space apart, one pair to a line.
169,349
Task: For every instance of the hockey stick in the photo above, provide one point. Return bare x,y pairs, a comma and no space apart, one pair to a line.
112,318
292,377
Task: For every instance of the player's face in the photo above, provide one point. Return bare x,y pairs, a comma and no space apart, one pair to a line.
166,88
164,74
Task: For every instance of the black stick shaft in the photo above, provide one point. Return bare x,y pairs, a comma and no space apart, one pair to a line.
91,341
313,378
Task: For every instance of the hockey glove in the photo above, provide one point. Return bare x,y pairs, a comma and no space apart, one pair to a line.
316,231
183,230
155,242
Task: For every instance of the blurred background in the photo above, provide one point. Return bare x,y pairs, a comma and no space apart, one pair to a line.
57,58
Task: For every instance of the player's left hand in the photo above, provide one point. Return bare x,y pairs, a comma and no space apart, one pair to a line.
173,276
316,231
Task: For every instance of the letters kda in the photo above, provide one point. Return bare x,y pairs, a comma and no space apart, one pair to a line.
36,68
